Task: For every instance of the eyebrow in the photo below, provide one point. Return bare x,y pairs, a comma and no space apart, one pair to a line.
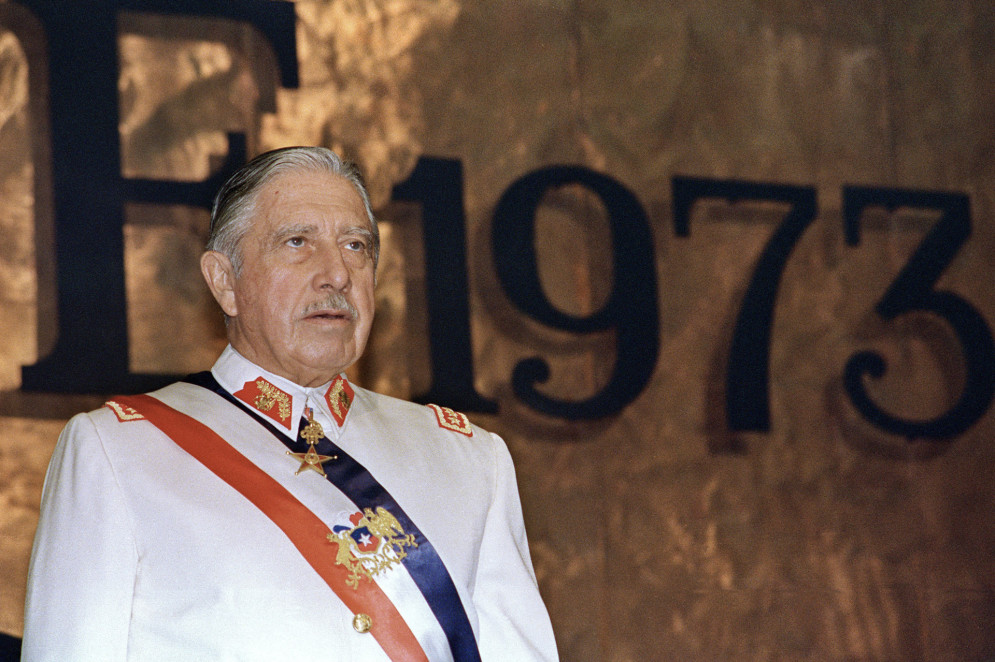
359,230
293,230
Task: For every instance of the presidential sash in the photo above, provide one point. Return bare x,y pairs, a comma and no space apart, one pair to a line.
304,529
376,505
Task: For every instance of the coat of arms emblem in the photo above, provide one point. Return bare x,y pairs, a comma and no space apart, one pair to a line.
375,542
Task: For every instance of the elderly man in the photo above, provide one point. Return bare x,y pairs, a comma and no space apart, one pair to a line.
270,509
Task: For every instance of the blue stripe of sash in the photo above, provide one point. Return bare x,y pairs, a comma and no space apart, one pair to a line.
422,562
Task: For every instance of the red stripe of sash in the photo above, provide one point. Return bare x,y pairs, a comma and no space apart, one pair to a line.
301,526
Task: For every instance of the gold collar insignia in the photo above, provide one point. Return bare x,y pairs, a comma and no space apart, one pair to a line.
267,398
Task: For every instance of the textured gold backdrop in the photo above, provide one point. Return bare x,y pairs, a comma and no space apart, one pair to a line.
826,539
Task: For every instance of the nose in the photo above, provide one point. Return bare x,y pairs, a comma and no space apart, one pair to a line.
331,271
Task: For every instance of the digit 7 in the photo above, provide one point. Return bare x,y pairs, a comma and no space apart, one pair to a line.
747,377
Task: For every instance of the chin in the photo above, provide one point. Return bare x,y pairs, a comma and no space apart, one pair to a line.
333,362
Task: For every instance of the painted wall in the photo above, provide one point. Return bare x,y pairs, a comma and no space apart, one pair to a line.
679,522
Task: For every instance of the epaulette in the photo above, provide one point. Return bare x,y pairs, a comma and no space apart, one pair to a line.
452,420
123,412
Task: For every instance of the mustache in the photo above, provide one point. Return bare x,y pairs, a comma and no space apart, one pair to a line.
333,301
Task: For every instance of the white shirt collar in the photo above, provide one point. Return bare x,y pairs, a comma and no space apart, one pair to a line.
282,400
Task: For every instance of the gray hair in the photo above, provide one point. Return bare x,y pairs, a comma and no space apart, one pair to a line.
235,203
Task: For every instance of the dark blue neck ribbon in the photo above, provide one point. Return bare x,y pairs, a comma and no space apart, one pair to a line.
422,562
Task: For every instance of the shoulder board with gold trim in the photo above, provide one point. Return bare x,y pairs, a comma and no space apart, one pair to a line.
124,413
452,420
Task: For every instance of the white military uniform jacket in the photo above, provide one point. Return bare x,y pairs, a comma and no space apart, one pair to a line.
143,553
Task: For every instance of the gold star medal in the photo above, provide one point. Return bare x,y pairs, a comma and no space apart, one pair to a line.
312,434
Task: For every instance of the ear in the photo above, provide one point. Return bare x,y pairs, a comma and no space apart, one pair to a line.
220,277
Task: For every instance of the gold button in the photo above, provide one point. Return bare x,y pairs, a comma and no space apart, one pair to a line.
362,623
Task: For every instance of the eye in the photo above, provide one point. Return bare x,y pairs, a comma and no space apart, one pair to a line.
357,245
295,242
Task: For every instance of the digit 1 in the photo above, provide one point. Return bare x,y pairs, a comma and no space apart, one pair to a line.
631,308
438,185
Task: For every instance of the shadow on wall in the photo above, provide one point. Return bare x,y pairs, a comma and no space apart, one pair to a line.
10,648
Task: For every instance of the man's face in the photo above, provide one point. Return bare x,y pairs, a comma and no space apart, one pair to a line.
302,305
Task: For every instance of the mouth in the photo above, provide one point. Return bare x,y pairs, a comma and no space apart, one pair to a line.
330,315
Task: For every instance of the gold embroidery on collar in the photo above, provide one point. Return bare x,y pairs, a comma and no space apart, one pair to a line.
270,395
338,399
